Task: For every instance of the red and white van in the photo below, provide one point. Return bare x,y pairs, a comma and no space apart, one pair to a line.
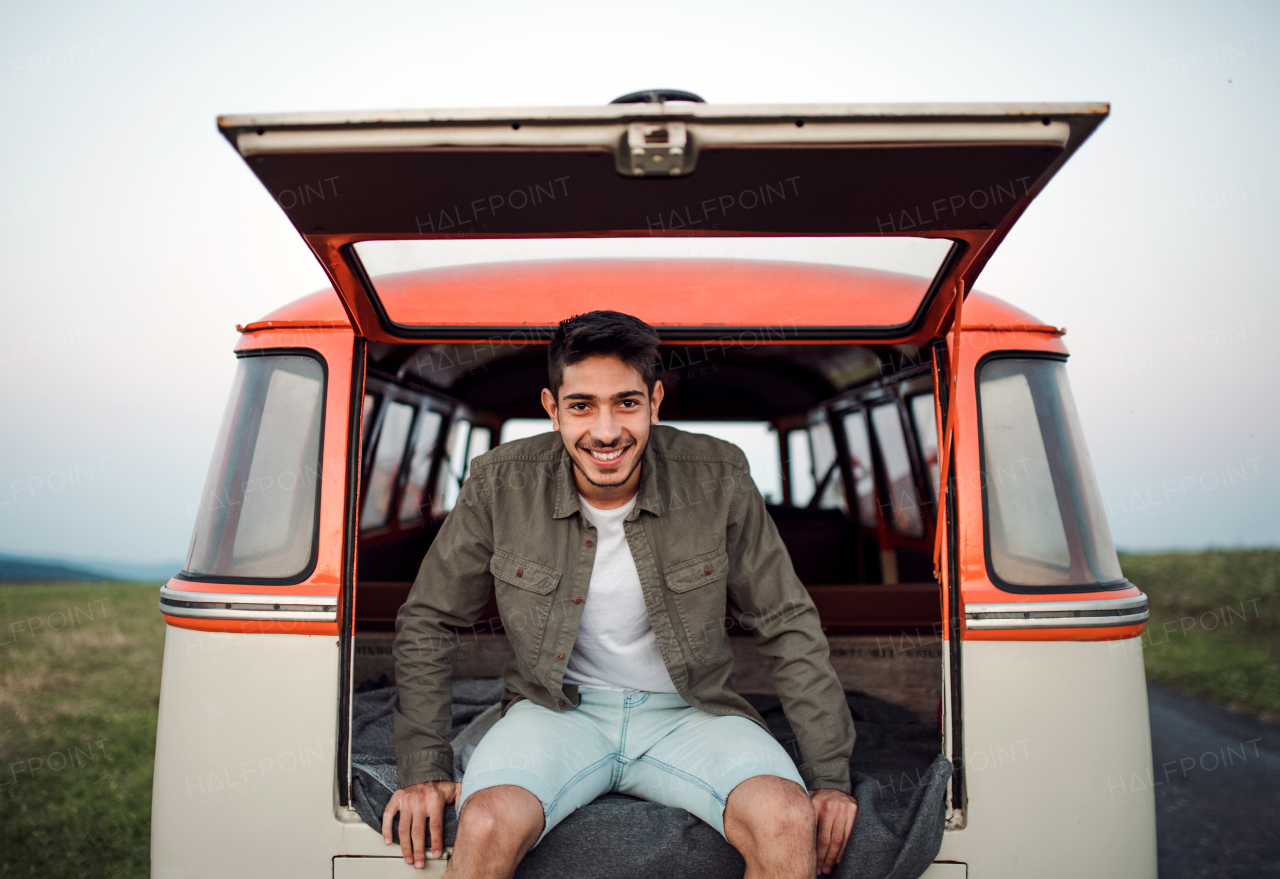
809,270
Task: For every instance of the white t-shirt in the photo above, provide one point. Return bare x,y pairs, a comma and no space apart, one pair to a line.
616,648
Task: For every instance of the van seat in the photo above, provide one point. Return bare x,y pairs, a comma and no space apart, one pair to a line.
879,608
823,544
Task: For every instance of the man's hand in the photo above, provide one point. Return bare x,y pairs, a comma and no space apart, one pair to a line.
834,811
419,804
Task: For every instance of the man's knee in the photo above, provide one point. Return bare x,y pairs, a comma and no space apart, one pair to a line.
490,813
480,816
771,807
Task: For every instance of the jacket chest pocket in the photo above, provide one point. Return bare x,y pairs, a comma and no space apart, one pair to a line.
524,591
698,587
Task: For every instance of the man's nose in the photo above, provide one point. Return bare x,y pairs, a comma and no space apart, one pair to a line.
606,430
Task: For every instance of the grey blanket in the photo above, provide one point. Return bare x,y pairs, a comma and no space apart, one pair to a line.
900,782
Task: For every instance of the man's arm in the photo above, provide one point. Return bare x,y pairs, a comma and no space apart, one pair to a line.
451,590
777,609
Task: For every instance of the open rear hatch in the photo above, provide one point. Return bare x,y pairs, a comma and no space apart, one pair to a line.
926,191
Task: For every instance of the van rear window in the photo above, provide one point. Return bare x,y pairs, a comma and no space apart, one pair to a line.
257,517
791,282
1045,523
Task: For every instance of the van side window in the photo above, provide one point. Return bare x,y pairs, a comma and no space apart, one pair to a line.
1044,516
826,469
800,467
369,415
478,445
520,428
454,470
412,503
904,502
257,515
926,424
393,435
864,480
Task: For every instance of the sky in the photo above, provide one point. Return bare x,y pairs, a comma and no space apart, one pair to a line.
133,238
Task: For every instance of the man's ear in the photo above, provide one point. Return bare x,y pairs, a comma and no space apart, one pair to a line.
655,400
549,403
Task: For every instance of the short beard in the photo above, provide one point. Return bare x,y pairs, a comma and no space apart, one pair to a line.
619,484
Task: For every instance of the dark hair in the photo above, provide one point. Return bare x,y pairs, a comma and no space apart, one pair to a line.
603,333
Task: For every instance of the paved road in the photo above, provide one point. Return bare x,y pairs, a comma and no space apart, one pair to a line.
1217,789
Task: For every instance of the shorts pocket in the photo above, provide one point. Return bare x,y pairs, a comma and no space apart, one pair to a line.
698,587
524,591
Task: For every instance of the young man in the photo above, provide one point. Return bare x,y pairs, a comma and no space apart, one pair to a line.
615,549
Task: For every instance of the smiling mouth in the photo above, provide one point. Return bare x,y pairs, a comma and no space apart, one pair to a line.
606,456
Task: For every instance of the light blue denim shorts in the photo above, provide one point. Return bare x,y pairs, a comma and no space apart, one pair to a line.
650,745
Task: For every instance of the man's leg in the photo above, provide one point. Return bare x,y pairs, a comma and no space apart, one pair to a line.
769,820
496,829
528,773
729,772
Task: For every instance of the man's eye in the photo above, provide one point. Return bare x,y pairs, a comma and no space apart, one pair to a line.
630,404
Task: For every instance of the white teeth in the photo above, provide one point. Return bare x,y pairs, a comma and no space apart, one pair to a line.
606,456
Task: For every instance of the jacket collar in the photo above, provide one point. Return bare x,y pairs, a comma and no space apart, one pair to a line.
649,496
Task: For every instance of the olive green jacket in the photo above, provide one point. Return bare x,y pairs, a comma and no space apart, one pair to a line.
704,546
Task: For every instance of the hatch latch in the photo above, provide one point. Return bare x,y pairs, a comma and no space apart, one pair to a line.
657,149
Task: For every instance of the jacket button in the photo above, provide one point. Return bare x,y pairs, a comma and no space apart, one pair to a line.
577,600
707,571
559,656
521,572
561,703
590,543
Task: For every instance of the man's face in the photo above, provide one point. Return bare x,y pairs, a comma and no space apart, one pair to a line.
603,415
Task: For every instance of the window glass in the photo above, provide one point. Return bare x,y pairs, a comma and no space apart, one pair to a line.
425,433
1045,521
455,468
826,473
800,465
368,415
904,501
381,482
257,513
904,269
478,445
864,480
757,439
922,413
520,428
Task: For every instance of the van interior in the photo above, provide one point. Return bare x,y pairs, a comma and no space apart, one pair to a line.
841,440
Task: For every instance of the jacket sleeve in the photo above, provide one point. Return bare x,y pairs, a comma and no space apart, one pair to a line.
451,590
777,609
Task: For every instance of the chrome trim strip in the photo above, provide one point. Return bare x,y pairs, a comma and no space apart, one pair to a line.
248,606
1057,622
1057,614
1065,607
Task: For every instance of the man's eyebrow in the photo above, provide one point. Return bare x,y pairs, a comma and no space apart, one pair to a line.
618,397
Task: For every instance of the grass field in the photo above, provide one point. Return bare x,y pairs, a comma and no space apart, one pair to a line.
79,687
1215,624
80,684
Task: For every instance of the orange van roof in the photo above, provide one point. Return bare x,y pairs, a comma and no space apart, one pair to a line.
984,311
322,308
540,293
